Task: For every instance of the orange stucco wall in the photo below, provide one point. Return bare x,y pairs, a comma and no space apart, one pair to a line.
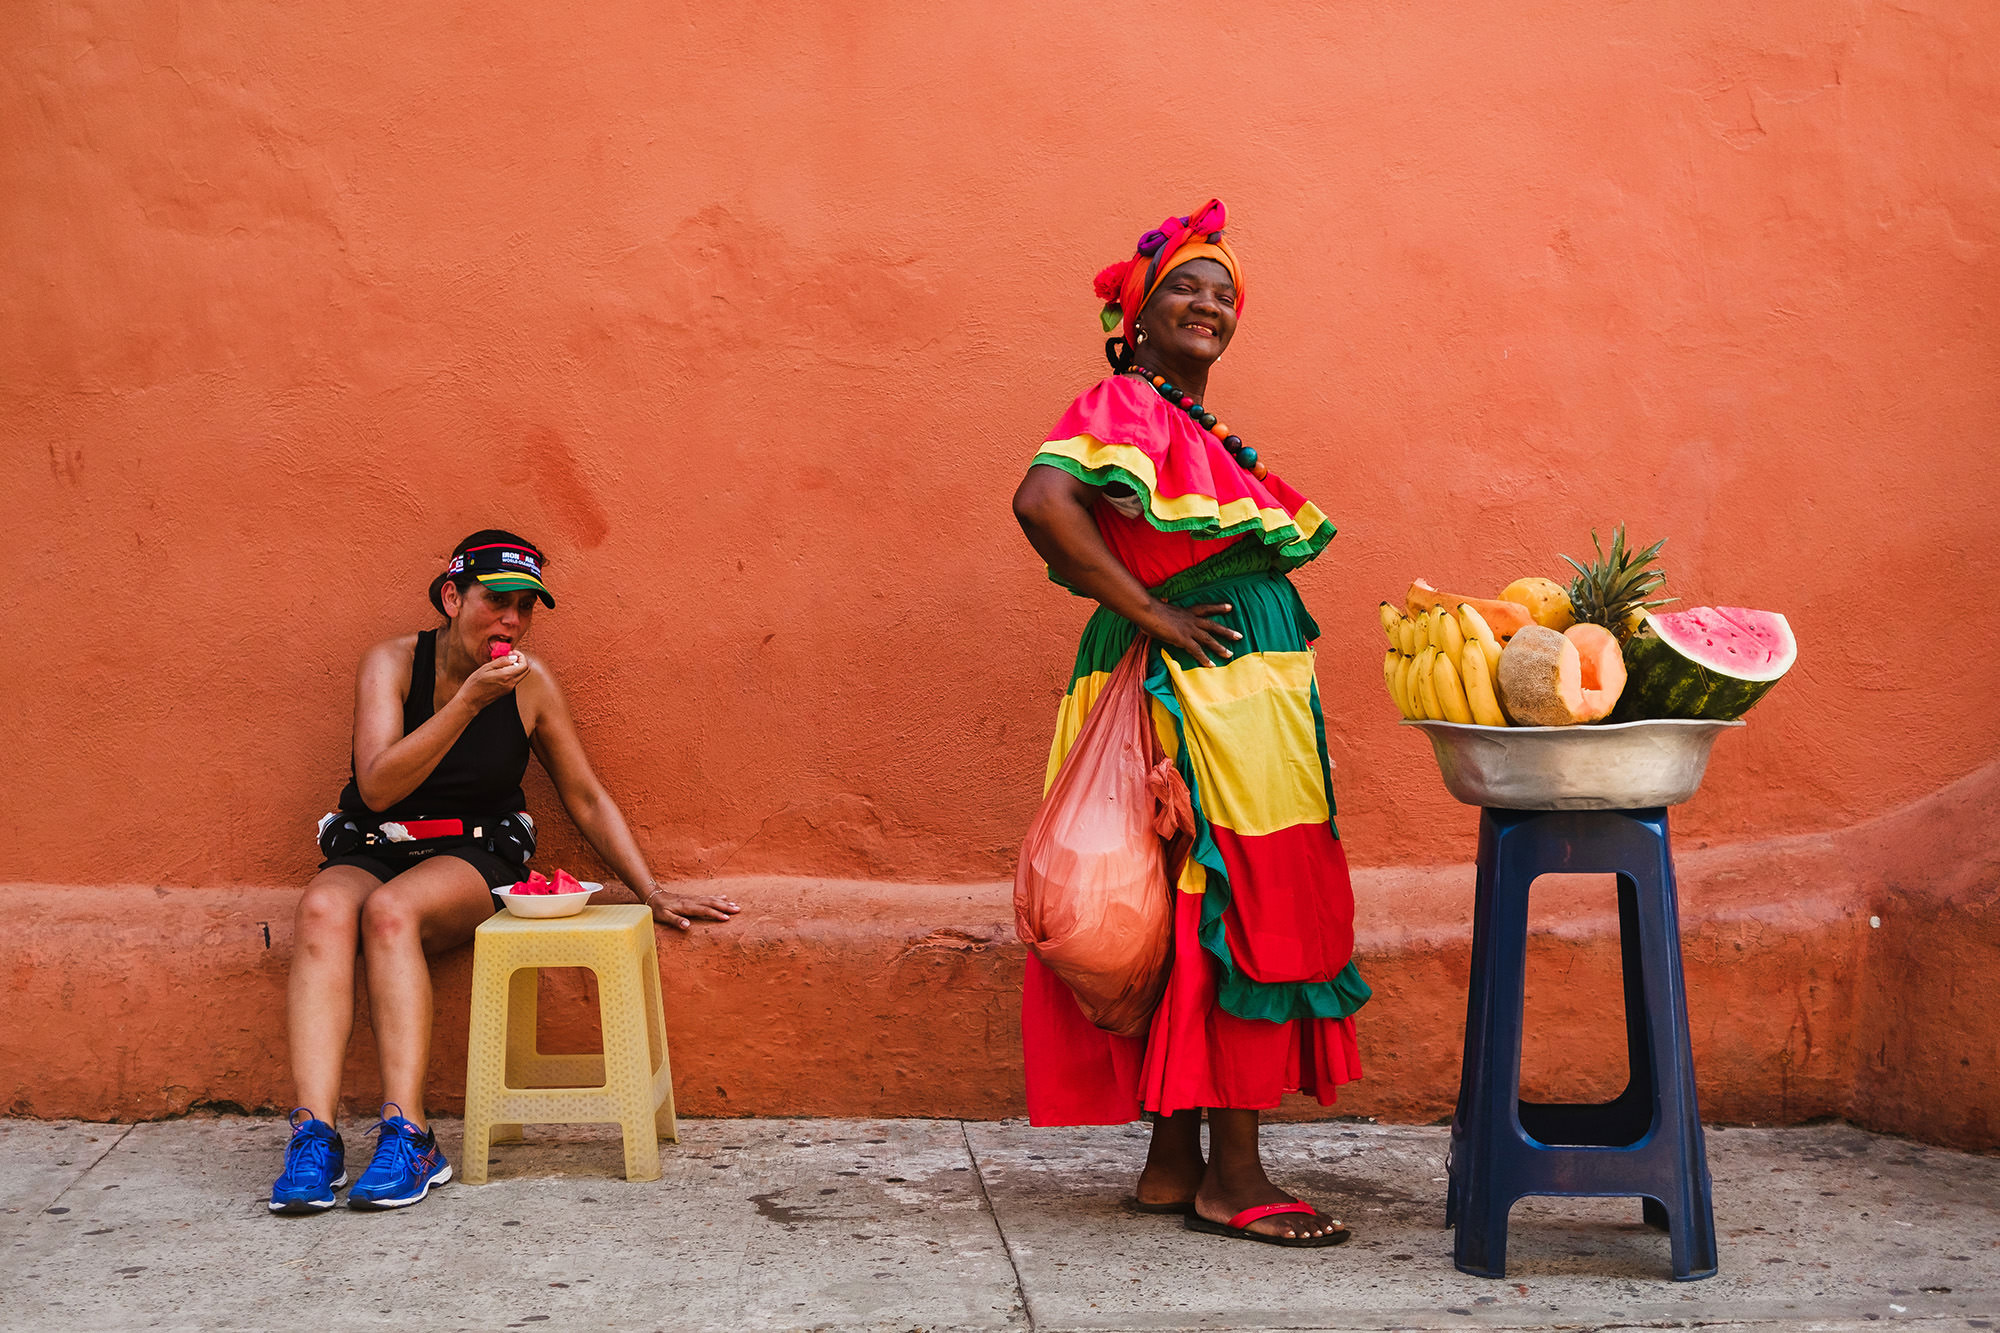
752,315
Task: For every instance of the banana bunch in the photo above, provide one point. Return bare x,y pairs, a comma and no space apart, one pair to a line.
1442,666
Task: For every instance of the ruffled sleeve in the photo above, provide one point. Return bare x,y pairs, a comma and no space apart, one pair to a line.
1122,431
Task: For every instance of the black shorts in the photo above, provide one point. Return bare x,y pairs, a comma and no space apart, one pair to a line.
385,863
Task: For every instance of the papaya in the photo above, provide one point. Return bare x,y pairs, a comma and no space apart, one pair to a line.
1502,617
1545,599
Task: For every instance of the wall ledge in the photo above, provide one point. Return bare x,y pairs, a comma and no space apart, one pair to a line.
853,997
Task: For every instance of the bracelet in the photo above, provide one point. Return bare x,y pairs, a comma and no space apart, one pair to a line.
648,901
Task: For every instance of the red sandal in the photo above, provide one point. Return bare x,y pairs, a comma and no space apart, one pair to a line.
1238,1227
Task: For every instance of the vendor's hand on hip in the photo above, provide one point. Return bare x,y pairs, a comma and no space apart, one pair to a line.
1189,629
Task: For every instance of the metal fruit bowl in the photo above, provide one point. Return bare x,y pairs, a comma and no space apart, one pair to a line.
1613,766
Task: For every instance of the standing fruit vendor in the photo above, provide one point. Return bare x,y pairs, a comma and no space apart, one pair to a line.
430,823
1144,501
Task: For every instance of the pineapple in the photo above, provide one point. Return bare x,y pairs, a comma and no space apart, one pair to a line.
1611,590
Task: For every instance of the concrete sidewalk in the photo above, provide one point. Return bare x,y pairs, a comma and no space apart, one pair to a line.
944,1225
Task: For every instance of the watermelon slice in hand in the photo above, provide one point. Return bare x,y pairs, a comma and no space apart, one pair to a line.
1705,662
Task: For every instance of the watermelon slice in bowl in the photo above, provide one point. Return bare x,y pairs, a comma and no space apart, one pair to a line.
536,896
1710,662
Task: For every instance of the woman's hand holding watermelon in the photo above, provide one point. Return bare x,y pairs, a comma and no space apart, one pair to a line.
497,676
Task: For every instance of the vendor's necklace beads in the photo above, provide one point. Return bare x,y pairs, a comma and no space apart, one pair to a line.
1246,457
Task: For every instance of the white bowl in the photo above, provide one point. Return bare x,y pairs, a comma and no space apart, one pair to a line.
544,905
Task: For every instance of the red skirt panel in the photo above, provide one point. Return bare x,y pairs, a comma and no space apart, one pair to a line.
1194,1054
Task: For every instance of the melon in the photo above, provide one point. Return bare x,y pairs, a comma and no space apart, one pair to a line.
1548,679
1503,618
1603,670
1708,662
1540,679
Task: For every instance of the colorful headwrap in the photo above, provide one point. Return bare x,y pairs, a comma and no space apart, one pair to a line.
1125,286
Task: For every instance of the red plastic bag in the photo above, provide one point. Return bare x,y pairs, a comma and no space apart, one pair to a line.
1091,896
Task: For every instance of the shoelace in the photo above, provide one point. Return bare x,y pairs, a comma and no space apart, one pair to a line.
307,1151
403,1147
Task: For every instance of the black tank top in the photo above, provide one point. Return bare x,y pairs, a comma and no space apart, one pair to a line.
479,775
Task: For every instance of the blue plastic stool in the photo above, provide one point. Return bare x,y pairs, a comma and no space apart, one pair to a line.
1647,1141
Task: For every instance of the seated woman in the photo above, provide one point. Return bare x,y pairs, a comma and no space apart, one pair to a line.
431,821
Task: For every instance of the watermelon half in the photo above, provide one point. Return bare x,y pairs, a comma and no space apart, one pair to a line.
1708,661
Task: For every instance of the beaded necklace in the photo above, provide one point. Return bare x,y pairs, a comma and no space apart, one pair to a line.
1246,457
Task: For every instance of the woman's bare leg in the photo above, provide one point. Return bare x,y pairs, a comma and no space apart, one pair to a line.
1236,1179
319,1013
1174,1167
430,908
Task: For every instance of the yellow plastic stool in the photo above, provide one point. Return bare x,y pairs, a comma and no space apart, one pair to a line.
508,1083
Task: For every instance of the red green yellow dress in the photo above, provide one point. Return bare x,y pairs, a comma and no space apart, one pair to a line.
1262,995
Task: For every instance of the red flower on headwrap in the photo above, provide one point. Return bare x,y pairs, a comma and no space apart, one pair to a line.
1112,280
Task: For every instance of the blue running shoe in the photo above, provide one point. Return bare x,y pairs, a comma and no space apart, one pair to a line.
407,1163
315,1166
